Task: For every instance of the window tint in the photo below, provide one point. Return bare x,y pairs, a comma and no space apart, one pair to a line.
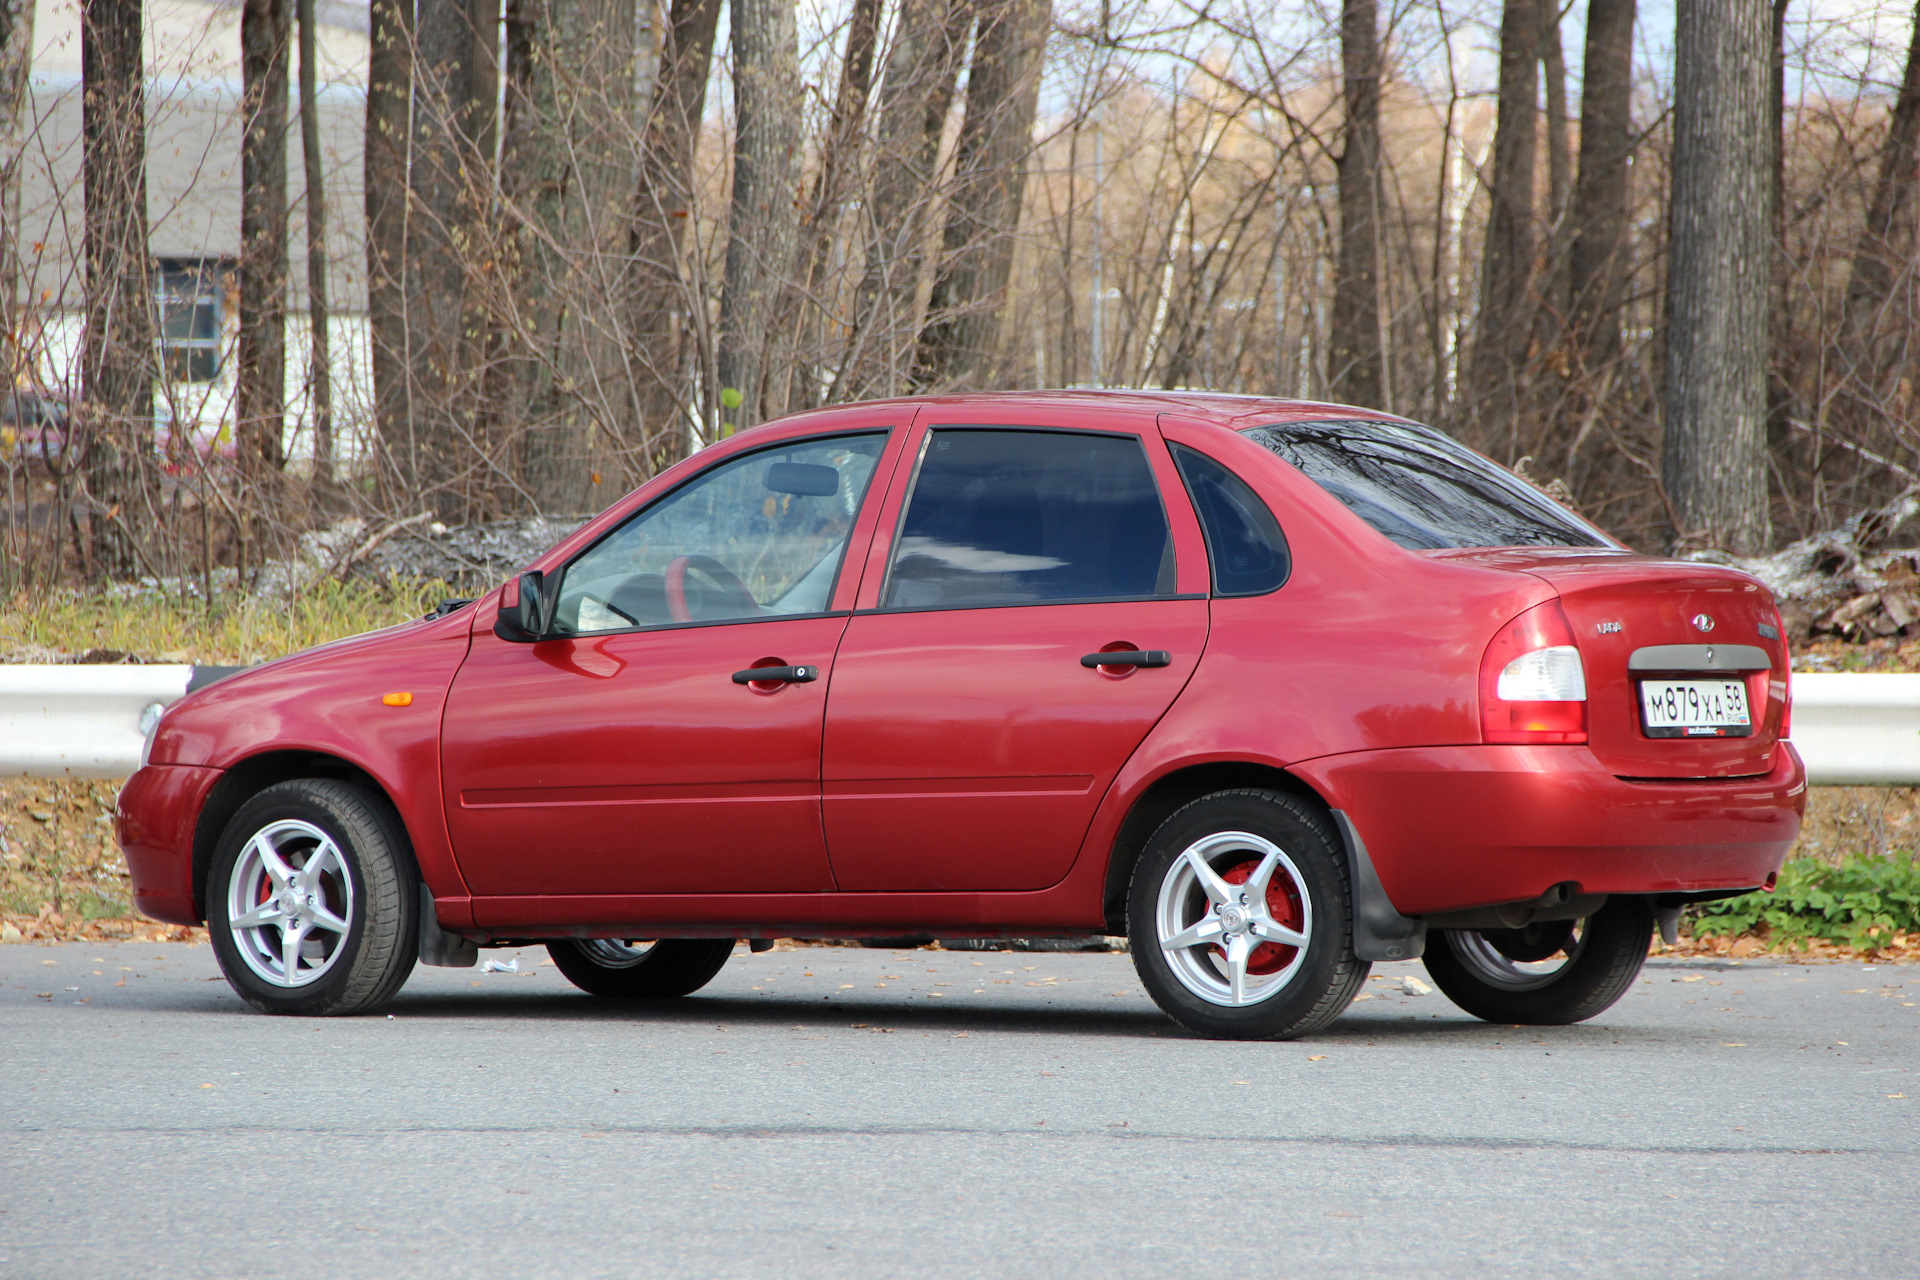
1244,541
1001,517
1424,490
761,534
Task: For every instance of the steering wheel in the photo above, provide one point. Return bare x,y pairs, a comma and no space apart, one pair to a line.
730,585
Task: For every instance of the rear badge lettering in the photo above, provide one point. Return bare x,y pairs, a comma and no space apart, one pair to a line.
1609,628
1768,631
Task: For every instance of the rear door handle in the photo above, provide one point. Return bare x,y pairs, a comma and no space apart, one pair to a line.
777,675
1129,658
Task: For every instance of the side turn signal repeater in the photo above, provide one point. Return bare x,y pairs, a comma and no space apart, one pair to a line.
397,699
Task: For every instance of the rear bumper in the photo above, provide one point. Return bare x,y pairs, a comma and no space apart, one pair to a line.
1456,827
154,820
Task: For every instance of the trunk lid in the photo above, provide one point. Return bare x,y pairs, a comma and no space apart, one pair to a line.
1633,619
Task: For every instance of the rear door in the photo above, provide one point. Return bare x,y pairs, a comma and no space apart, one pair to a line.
970,730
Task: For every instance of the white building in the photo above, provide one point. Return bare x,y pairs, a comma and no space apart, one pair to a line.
193,177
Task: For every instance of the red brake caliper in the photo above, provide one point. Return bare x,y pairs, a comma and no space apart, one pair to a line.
1283,904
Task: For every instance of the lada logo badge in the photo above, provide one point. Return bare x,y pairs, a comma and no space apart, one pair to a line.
1702,622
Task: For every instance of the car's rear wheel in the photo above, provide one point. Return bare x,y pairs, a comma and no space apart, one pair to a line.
1238,918
1545,974
312,900
640,970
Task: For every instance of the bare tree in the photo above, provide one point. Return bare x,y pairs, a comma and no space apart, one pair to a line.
663,213
1873,342
916,96
1356,370
320,349
1716,385
16,59
566,176
1504,327
990,171
1603,195
117,351
388,162
762,219
266,37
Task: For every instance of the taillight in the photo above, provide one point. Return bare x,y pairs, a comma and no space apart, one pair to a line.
1533,687
1786,678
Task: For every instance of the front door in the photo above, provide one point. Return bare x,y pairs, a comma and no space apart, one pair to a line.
622,756
970,735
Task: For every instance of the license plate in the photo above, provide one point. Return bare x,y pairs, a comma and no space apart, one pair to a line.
1695,709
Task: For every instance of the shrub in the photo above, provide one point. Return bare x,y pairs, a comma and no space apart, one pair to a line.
1860,902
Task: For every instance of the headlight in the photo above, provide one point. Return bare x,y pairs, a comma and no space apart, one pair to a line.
150,725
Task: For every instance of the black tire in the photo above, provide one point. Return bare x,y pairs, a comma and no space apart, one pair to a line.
1285,991
1480,971
372,887
656,971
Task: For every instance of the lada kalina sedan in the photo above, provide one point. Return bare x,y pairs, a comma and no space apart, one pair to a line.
1275,689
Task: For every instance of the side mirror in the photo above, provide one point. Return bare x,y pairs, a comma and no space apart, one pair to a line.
529,618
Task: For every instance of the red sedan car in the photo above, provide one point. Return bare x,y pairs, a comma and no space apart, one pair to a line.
1275,689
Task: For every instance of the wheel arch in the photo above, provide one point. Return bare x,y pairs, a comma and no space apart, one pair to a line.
1169,793
248,778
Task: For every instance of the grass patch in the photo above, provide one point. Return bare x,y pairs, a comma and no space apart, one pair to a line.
1866,903
234,629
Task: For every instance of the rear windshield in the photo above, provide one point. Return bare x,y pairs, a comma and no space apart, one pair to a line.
1424,490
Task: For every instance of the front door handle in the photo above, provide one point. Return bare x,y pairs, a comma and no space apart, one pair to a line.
777,675
1129,658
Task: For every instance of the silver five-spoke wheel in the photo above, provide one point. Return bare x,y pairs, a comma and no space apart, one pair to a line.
1231,919
289,901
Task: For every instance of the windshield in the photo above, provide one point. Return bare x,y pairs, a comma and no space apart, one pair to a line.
1424,490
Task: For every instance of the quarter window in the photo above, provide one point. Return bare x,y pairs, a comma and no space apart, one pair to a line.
1244,542
761,534
1009,517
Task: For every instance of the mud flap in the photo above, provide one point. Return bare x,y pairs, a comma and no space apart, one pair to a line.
1380,932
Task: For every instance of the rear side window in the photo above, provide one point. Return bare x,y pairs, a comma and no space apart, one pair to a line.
1244,542
1009,517
1424,490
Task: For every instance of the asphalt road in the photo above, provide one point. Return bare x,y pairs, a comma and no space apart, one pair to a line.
844,1112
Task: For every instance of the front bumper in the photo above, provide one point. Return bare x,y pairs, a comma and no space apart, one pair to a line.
155,819
1455,827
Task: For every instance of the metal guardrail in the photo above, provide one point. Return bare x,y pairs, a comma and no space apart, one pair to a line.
90,721
1858,730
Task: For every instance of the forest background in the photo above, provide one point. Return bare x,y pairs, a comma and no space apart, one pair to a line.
1665,258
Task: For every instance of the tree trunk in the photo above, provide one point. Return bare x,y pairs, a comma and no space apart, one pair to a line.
16,59
451,165
1874,332
958,345
566,184
388,162
1355,371
319,364
266,37
1553,68
916,95
840,155
117,349
762,221
663,210
1716,393
1603,196
1506,276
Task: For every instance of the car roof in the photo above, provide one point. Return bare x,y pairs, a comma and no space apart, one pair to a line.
1223,408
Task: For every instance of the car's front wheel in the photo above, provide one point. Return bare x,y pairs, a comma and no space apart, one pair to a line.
312,900
1549,974
1239,920
648,970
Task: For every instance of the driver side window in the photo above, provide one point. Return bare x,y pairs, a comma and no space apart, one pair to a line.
762,534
